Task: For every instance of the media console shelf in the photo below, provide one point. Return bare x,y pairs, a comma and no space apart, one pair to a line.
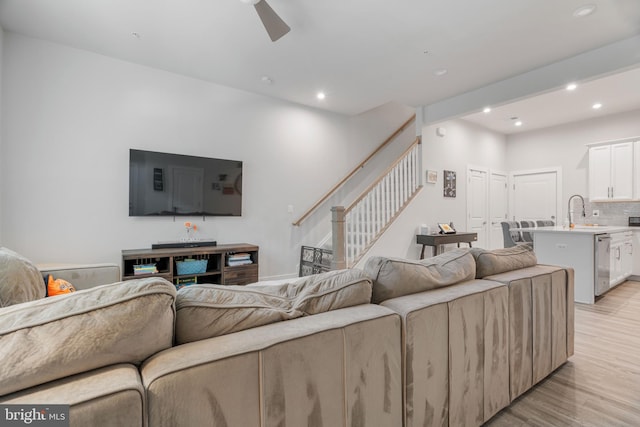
234,264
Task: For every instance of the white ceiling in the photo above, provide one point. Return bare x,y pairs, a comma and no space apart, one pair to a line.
616,93
361,53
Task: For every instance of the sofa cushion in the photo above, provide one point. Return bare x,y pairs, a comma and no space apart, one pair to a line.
20,280
53,338
109,396
205,311
496,261
394,277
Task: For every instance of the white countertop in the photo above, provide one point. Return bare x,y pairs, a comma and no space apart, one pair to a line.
581,229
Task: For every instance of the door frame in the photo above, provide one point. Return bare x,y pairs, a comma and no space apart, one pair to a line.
487,227
557,170
492,172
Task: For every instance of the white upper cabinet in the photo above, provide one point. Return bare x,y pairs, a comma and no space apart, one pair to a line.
611,172
600,172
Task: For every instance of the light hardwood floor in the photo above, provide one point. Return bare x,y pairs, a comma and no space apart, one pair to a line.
600,384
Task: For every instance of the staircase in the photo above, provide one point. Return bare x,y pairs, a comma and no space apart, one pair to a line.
357,227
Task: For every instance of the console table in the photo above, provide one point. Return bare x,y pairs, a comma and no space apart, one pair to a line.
437,240
219,269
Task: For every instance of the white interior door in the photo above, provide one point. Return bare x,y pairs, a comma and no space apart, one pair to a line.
477,207
536,195
498,207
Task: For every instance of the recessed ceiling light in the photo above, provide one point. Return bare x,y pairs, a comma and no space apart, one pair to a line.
585,10
440,72
596,106
518,123
572,86
136,35
321,95
486,110
266,80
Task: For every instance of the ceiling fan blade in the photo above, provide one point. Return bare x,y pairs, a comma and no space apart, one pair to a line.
274,25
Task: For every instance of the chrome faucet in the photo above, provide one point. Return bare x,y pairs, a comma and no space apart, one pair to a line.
570,211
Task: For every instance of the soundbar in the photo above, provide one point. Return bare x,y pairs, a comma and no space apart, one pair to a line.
191,244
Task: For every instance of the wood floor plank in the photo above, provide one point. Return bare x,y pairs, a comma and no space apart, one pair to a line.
600,384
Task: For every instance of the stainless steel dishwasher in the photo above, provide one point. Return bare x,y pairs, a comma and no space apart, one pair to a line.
603,263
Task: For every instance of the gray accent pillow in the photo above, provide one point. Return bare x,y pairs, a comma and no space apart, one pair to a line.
205,311
496,261
20,280
395,277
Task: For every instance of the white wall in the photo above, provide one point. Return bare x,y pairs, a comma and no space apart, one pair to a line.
70,118
565,146
464,144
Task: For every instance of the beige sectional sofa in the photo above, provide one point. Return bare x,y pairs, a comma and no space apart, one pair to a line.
398,343
479,328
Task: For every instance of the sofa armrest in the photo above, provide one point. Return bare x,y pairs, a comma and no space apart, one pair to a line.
83,276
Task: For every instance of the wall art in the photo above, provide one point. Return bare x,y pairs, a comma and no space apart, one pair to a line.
449,183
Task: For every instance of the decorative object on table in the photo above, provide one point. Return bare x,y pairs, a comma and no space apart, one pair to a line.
446,228
192,232
432,177
449,183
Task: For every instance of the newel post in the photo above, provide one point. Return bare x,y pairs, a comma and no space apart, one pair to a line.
337,238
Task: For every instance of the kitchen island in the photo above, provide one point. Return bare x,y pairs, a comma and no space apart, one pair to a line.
586,249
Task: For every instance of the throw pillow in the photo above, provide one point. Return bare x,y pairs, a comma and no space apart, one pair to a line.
20,280
58,286
496,261
205,311
395,277
331,290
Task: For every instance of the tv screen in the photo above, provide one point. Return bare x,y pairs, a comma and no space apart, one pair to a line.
163,184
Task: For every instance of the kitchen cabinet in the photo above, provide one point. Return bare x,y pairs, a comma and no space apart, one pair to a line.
635,263
611,172
627,259
579,249
620,257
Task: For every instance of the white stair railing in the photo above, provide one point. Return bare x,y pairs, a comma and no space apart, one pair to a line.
356,228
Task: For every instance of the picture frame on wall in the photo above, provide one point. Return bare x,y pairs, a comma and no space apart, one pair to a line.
449,184
432,177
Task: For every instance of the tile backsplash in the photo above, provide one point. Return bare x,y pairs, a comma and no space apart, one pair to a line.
611,213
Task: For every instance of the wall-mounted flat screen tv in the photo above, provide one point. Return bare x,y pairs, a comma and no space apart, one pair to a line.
164,184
